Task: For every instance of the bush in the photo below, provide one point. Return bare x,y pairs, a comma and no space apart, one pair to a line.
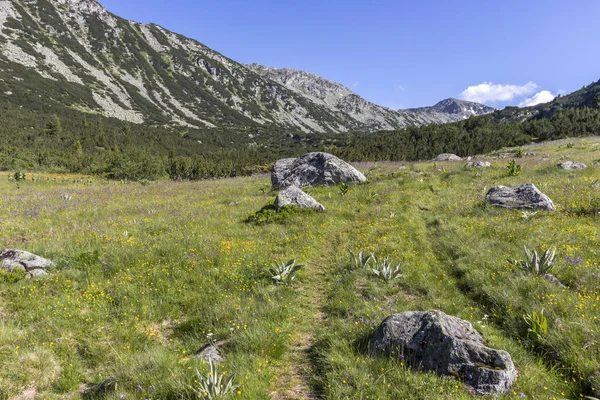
134,165
268,214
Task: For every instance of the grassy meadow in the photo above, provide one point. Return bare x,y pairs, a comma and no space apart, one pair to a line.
146,272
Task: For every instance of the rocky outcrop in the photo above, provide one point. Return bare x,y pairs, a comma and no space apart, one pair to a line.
434,341
13,260
448,157
292,196
478,164
313,169
524,197
571,165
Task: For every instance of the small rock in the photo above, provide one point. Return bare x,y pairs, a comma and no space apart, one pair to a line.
552,279
478,164
210,352
296,197
524,197
18,260
313,169
507,155
571,165
434,341
448,157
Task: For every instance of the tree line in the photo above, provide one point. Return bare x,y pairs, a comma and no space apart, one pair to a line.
71,141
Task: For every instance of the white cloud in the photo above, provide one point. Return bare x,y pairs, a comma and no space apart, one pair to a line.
490,92
401,88
543,96
355,84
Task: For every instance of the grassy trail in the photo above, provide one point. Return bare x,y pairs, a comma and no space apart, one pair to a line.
296,380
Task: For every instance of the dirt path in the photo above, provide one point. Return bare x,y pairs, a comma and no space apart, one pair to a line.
297,379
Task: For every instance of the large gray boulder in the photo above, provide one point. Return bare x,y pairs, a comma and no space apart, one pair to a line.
524,197
434,341
313,169
296,197
448,157
571,165
18,260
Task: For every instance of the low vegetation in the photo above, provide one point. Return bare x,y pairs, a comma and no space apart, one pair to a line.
48,138
146,272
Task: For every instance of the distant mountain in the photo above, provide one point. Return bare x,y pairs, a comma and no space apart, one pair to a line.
339,99
453,109
75,54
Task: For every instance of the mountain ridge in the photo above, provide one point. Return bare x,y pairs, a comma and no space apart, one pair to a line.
340,98
76,54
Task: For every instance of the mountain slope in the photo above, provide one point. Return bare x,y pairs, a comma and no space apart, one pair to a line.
588,96
75,53
338,98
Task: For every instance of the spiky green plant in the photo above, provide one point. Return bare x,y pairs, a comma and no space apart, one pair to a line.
284,273
344,188
214,385
534,264
537,326
384,269
513,169
361,260
528,214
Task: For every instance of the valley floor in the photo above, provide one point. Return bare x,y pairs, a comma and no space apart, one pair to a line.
145,274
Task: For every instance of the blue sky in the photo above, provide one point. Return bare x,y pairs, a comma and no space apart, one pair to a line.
401,53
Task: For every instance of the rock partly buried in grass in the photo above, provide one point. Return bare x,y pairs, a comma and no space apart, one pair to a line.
209,352
13,260
292,196
448,157
434,341
478,164
571,165
554,280
524,197
313,169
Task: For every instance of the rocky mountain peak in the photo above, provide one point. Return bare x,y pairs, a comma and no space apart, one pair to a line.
454,109
456,106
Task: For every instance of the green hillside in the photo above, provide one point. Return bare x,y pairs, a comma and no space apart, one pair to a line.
147,273
586,97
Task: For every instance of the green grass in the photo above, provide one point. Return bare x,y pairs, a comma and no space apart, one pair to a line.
145,272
